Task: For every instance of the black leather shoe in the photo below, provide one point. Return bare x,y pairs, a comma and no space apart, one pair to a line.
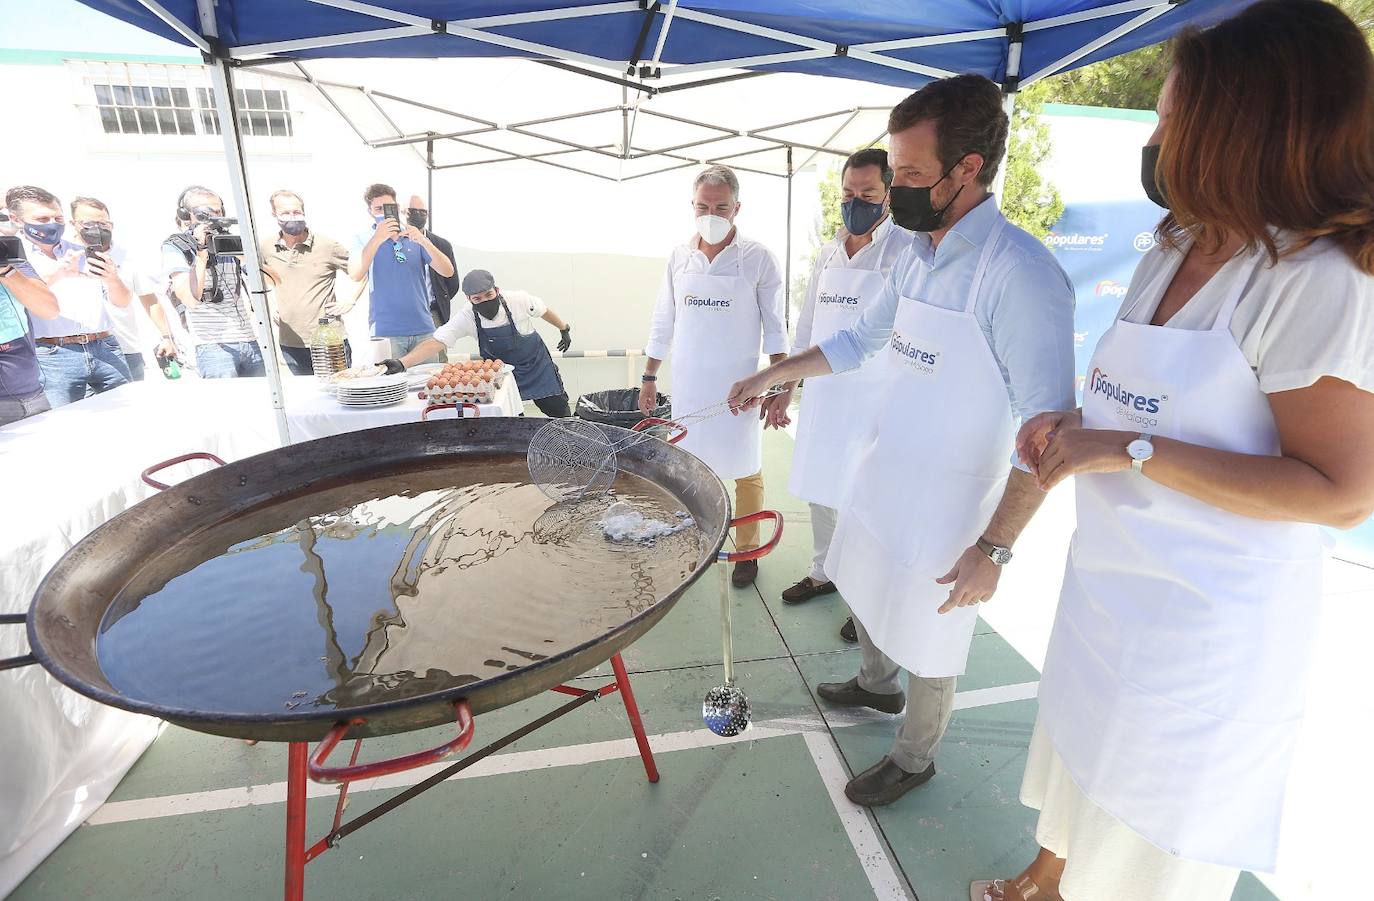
746,571
849,694
884,782
848,632
807,589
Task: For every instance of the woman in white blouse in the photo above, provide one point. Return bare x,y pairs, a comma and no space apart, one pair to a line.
1227,414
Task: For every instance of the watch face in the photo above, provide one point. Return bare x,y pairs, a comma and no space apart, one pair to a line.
1140,449
1001,556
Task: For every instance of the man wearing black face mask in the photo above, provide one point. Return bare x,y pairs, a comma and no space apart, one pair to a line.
77,351
503,325
442,288
305,264
976,323
837,413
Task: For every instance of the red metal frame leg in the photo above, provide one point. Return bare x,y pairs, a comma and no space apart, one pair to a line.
296,756
622,681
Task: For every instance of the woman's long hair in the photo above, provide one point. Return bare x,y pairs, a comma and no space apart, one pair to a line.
1272,125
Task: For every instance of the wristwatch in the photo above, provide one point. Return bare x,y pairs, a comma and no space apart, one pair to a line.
1141,450
648,378
999,555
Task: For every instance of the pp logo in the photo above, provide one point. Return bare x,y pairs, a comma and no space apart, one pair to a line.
1144,241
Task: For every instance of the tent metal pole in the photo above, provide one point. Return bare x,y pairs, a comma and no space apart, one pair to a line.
1101,41
429,180
787,262
221,80
1016,38
176,24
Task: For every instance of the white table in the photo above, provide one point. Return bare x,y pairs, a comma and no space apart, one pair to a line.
311,413
65,473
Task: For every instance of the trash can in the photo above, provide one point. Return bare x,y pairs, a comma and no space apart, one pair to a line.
619,406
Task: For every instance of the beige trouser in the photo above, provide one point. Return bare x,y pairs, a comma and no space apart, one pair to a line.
748,499
929,705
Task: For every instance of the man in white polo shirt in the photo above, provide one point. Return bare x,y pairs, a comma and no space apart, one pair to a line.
77,351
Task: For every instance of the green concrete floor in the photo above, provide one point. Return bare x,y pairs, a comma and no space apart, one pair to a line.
566,813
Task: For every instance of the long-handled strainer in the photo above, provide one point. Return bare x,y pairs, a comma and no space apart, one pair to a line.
570,459
725,709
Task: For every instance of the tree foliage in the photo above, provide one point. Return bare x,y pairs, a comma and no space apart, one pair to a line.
1029,199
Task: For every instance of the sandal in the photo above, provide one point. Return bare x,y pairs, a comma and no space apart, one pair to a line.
1025,888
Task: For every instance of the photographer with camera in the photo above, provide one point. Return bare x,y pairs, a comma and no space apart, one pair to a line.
77,352
397,262
22,296
93,223
210,289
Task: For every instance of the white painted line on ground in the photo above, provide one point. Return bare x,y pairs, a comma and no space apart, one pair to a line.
868,847
519,761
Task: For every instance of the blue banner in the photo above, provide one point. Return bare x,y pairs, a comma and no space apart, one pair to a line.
1099,244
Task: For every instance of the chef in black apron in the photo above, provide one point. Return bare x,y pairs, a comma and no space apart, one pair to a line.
504,329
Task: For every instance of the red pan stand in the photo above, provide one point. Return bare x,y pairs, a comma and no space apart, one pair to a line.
302,765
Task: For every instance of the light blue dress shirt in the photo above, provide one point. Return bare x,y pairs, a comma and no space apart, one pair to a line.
1024,306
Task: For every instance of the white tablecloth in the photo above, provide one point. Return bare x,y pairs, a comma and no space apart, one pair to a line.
311,413
65,473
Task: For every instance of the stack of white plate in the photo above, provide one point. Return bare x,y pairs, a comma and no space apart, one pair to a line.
379,391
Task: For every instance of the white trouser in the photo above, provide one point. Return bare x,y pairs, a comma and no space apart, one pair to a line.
822,530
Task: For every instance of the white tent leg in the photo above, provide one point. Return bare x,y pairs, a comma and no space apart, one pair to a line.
1000,180
221,79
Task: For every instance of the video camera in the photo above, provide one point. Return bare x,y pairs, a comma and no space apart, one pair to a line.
217,230
11,251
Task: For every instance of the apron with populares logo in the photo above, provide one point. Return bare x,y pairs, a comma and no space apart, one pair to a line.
837,411
928,484
1175,678
716,340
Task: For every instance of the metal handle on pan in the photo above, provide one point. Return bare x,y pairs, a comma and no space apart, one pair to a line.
15,619
162,486
757,552
424,414
654,420
321,773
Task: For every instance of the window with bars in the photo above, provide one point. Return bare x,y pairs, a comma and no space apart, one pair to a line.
144,109
262,112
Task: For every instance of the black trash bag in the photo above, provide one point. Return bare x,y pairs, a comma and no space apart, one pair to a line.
619,406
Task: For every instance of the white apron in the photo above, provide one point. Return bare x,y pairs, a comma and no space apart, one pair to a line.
927,485
837,411
717,336
1175,677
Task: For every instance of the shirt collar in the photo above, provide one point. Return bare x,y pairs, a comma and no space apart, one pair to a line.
308,243
693,247
970,231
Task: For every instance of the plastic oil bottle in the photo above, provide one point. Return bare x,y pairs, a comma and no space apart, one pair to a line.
327,353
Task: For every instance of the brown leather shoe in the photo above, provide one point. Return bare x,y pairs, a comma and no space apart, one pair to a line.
807,589
745,572
848,632
884,782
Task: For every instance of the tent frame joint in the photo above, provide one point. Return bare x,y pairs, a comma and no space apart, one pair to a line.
438,26
842,50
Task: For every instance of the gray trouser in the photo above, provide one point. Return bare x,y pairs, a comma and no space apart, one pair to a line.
822,530
929,705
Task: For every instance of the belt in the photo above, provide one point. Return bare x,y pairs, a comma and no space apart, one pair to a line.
89,338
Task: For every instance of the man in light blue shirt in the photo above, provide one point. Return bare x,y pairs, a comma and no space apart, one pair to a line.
975,324
397,262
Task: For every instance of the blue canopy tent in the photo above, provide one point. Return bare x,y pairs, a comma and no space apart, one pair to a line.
649,48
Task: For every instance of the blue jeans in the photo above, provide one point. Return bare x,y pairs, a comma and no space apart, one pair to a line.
136,367
229,360
404,344
14,408
299,362
70,369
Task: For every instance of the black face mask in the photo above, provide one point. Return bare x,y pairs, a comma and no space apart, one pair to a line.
488,309
911,207
417,218
1154,188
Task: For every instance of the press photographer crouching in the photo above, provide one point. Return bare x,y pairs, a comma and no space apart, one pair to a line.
210,288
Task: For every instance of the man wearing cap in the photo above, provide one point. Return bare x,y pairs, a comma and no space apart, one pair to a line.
503,325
